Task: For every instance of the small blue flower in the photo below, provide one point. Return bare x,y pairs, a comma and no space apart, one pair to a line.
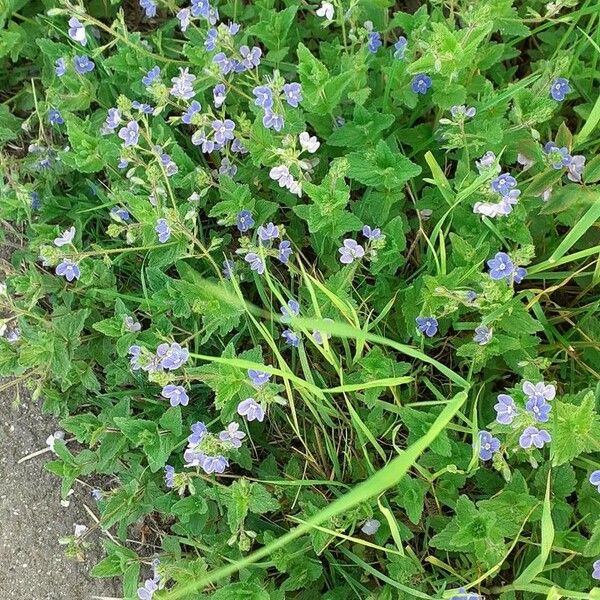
68,269
291,310
172,356
374,42
557,157
233,28
55,117
219,95
284,251
370,527
595,480
471,296
532,436
400,48
130,133
183,16
520,274
227,168
151,76
272,120
420,83
596,569
147,592
214,464
83,64
232,435
293,94
250,57
559,89
183,85
150,7
120,213
36,201
506,409
539,408
113,118
65,238
60,66
210,43
501,267
291,338
483,335
464,595
350,251
225,64
427,325
77,31
244,220
163,230
199,431
371,234
258,378
176,394
488,445
503,184
201,8
142,107
123,163
96,494
539,391
256,263
264,96
223,130
169,476
268,232
193,108
227,270
251,409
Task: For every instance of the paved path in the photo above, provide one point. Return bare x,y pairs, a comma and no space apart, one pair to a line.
32,563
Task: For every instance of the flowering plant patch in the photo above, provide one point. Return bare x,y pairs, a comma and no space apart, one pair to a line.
313,286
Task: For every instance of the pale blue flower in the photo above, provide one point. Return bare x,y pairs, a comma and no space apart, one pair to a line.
284,251
371,234
172,356
595,479
68,269
293,94
427,325
370,527
219,95
77,31
559,89
400,48
532,436
268,232
506,409
420,83
244,221
151,76
291,337
250,57
83,64
483,335
55,117
251,409
60,66
184,18
256,263
258,378
501,267
264,96
176,394
350,251
169,476
130,133
272,120
503,184
149,6
374,42
539,408
223,130
183,84
210,43
232,435
488,445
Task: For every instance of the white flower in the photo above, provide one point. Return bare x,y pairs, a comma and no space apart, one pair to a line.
57,435
295,187
370,527
66,237
308,142
79,530
326,10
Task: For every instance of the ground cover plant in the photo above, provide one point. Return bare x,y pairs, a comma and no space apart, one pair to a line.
313,288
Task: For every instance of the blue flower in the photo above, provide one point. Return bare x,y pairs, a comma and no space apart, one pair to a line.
420,83
192,109
60,66
501,267
559,89
539,391
232,435
258,378
201,8
532,436
462,111
268,232
199,138
227,168
184,18
123,163
55,117
427,325
488,445
374,42
130,133
36,201
149,6
483,335
291,310
142,107
251,409
219,95
147,592
503,184
464,595
293,94
68,269
471,295
519,274
199,431
576,167
183,85
172,356
595,479
285,251
151,76
256,263
400,48
539,408
264,96
113,118
210,43
557,157
169,476
272,120
77,31
250,57
227,269
214,464
350,251
223,130
163,230
176,394
65,238
120,213
371,234
506,409
291,338
370,527
83,64
244,220
225,65
233,28
596,570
